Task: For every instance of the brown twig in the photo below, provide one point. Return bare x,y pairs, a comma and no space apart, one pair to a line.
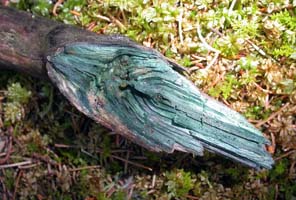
84,168
9,148
117,22
271,148
288,7
191,197
111,156
45,159
126,163
285,155
179,19
91,26
29,166
272,116
263,90
56,5
132,163
74,12
292,168
16,164
102,17
110,191
209,47
123,17
150,191
130,192
217,32
20,174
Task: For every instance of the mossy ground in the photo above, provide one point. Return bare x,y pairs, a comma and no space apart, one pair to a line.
240,52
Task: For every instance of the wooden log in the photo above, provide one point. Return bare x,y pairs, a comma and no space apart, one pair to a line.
26,40
131,89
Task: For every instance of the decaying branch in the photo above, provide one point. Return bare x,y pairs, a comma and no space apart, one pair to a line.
131,89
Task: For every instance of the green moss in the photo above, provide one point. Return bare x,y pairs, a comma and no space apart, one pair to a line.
39,7
119,195
66,16
178,183
13,112
285,18
17,93
279,170
284,50
225,88
186,62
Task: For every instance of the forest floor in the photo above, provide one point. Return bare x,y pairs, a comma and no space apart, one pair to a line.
242,53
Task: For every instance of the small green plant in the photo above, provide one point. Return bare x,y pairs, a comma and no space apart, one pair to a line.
279,170
119,195
13,112
38,7
17,93
186,62
284,50
64,12
14,108
179,183
224,88
42,7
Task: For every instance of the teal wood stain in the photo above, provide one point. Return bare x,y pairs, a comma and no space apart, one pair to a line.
136,92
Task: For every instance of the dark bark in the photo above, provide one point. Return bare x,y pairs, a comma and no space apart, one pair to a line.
20,41
26,40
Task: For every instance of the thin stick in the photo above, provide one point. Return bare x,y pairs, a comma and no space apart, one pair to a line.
231,7
16,164
123,17
292,168
126,163
130,193
102,17
272,115
276,192
151,191
117,22
217,32
74,12
271,148
9,148
209,47
199,58
153,181
180,24
20,174
285,155
132,163
212,61
29,166
85,167
54,10
288,7
259,50
112,156
192,197
202,39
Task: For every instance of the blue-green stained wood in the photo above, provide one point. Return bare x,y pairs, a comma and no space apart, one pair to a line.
135,91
